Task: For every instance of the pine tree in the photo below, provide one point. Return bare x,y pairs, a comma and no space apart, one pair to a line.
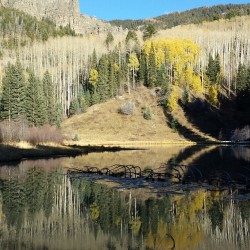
213,68
36,112
241,77
74,107
94,60
13,94
58,115
95,98
49,95
82,104
102,84
152,68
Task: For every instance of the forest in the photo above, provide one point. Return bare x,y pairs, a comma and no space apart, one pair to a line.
52,78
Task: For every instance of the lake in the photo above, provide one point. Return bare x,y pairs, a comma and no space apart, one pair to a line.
202,204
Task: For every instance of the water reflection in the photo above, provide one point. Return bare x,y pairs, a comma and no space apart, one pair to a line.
42,208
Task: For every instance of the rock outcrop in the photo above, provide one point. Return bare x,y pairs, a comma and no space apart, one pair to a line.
62,12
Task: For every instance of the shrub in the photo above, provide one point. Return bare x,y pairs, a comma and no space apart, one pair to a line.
76,138
147,113
44,134
127,108
19,131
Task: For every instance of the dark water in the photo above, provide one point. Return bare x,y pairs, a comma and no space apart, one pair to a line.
43,208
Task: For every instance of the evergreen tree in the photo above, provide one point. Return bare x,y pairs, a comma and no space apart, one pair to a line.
58,115
143,70
36,112
102,84
94,60
109,39
87,98
82,104
149,31
242,77
13,94
49,95
95,98
152,68
74,107
213,68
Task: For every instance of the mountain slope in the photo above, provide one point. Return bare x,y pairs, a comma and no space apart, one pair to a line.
193,16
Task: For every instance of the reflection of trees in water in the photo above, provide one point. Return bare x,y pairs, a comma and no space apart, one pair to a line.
50,210
242,153
229,226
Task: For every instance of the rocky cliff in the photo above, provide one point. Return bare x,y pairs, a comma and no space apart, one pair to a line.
62,12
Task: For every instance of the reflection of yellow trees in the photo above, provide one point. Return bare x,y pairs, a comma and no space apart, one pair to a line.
160,240
94,211
186,228
135,225
188,232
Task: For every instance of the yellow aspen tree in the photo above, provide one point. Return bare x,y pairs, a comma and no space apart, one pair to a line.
133,64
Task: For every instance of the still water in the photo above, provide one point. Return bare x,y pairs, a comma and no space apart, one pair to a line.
42,208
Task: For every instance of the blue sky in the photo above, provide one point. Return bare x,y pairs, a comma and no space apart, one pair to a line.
136,9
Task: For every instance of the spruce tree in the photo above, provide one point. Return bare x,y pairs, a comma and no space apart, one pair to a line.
13,94
152,68
49,97
36,112
74,107
241,77
95,98
94,60
58,115
102,84
213,68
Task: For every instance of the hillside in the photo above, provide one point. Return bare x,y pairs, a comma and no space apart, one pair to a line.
193,16
103,124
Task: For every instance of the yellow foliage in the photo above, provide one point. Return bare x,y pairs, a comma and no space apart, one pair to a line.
94,211
116,67
213,95
172,101
133,62
178,54
196,84
135,225
93,76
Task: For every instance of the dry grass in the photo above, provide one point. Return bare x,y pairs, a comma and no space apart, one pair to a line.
102,124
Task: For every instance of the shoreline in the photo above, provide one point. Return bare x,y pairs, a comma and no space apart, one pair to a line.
13,154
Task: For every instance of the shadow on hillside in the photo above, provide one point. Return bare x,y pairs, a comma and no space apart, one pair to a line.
217,122
182,130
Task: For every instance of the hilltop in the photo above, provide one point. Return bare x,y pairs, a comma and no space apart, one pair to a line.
193,16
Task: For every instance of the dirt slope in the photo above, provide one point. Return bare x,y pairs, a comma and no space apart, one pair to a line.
102,123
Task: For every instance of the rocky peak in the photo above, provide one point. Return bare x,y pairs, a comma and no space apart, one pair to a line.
62,12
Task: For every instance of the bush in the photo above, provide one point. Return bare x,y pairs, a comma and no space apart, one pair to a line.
127,108
76,138
147,113
19,131
44,134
